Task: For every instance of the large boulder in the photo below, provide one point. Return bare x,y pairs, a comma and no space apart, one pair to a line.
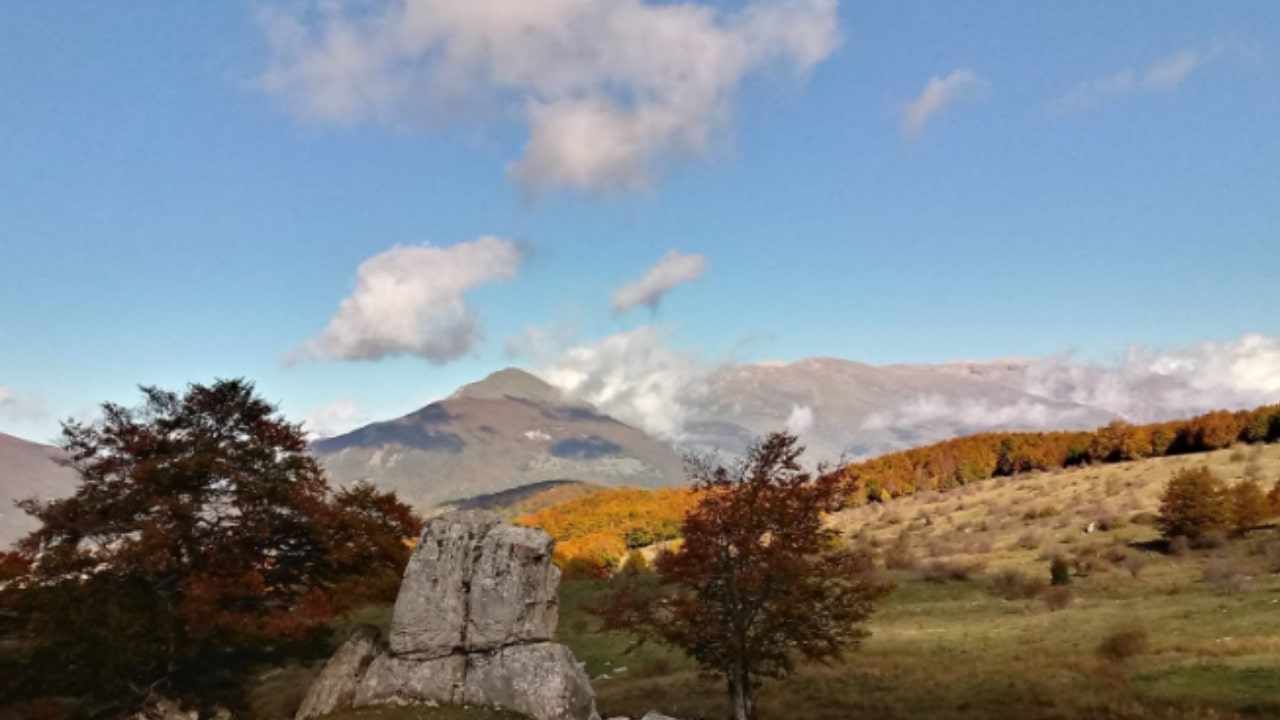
335,687
472,625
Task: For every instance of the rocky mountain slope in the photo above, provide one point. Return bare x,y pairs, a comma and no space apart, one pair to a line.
507,431
27,469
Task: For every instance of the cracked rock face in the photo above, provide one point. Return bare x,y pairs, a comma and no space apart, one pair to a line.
472,624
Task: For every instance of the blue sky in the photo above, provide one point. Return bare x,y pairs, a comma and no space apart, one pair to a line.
187,190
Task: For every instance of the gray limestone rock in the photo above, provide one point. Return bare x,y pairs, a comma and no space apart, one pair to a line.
431,610
335,687
541,680
471,625
513,590
397,680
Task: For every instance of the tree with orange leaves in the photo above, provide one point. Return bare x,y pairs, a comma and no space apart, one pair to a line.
759,582
202,534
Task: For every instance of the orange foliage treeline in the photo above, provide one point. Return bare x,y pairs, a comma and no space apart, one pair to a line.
594,533
969,459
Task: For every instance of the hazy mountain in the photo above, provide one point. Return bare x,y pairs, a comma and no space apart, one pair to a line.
27,469
509,430
840,407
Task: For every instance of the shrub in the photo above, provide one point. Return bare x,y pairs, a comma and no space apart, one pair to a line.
1040,513
1225,576
1116,554
1249,506
1135,563
940,571
1210,541
1087,560
1179,546
1059,571
1029,541
899,555
1123,644
1238,455
1057,598
1194,503
1148,519
1013,584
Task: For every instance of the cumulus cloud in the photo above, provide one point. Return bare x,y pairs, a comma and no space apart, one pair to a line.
336,418
634,376
800,420
1166,73
672,269
610,89
940,92
411,300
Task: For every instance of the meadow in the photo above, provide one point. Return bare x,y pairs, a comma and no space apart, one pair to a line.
974,630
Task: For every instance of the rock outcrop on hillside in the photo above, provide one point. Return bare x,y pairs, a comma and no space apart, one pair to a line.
472,626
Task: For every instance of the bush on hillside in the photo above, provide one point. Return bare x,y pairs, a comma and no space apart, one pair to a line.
1059,571
1194,503
1123,644
941,571
1011,584
1057,598
1249,506
1225,576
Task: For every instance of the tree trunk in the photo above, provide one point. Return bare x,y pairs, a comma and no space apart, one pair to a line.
739,693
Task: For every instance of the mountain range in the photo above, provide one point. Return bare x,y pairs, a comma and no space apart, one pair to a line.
513,431
27,470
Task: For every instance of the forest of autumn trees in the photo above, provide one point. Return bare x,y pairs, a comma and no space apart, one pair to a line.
593,532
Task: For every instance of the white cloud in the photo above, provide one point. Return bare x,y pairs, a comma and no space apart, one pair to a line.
939,93
1166,73
633,376
1147,384
21,408
336,418
672,269
800,420
411,300
978,414
611,89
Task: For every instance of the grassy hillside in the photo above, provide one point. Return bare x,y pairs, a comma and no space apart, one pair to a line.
947,644
973,632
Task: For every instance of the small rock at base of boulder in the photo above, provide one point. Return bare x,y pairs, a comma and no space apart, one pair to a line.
335,687
542,681
394,680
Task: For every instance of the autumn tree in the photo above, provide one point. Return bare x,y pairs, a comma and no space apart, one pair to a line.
760,581
1195,502
1250,506
201,532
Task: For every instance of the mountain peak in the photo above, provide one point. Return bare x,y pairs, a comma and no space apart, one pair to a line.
512,383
